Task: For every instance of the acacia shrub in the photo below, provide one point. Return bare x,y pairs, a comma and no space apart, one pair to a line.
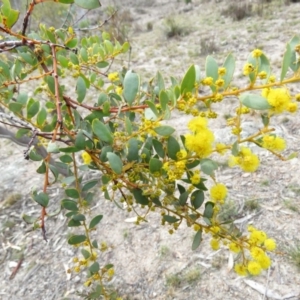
121,135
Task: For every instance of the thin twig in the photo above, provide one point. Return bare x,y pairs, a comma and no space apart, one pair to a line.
96,26
16,269
26,18
55,76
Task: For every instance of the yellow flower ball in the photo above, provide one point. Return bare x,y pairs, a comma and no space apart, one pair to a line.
270,244
195,178
215,244
273,143
248,162
254,268
220,82
119,90
86,158
113,76
292,107
257,237
234,247
197,124
208,81
257,53
181,154
264,261
257,253
222,71
218,192
196,227
240,269
279,99
200,143
248,68
262,75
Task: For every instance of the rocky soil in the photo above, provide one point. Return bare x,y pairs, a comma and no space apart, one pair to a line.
150,263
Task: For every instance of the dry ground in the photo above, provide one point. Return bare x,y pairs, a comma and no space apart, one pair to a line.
149,263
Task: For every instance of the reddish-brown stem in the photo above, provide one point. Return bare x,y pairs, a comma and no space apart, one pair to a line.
16,269
55,76
112,110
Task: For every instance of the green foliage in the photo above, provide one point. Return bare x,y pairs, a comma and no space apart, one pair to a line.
237,11
117,123
120,23
294,254
174,27
186,277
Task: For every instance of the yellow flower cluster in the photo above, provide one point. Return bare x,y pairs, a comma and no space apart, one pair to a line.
222,71
197,124
86,158
217,98
119,90
220,82
187,104
248,68
234,247
257,53
242,110
174,170
245,159
202,138
81,263
207,81
279,99
259,243
113,76
147,127
218,193
195,178
215,244
272,142
262,75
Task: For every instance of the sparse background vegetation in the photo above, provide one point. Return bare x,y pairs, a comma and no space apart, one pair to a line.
165,35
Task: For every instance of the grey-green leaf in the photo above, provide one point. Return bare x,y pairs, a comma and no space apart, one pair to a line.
158,146
131,86
173,147
33,109
208,211
42,199
286,61
69,204
80,140
197,240
197,198
164,130
88,4
72,193
208,166
95,221
170,219
133,150
188,81
80,89
255,101
77,239
139,197
229,65
155,165
115,162
102,132
211,69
